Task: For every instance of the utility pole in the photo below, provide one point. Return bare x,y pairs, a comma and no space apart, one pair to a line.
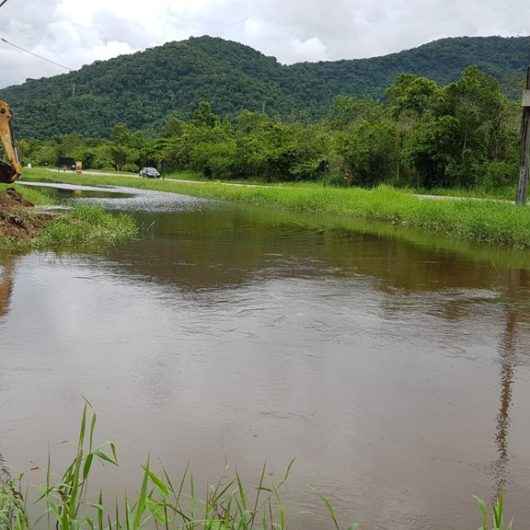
522,188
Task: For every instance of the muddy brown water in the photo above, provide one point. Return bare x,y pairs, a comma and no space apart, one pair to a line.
397,375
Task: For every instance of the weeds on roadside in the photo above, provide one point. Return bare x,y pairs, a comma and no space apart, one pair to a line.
492,222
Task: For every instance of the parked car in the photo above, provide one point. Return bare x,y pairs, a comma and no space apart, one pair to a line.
150,173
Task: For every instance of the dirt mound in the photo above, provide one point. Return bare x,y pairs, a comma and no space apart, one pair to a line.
11,198
17,218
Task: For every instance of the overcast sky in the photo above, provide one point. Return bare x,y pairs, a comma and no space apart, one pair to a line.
77,32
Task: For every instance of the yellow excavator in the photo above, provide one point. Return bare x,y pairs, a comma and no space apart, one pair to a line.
11,169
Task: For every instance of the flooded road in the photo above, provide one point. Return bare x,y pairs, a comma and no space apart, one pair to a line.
398,376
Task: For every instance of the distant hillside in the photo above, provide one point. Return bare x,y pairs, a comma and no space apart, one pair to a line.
141,89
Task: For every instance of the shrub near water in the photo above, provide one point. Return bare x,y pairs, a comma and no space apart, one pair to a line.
85,226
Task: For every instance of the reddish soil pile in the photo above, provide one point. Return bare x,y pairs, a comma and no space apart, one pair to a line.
17,218
12,199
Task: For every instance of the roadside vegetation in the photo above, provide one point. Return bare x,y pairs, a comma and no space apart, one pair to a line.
493,222
421,136
68,502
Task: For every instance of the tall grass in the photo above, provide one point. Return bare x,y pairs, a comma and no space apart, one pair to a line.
493,516
161,503
491,222
83,228
87,226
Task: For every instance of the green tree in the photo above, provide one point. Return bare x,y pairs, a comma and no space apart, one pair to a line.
204,115
370,153
433,151
412,94
346,110
120,134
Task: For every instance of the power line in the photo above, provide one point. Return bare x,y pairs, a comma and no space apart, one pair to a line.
29,52
3,2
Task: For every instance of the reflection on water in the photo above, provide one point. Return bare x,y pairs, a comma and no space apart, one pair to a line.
507,353
508,360
230,334
6,286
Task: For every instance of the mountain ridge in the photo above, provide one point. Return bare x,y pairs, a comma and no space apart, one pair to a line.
141,89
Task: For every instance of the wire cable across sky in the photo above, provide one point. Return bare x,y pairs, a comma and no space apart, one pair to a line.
29,52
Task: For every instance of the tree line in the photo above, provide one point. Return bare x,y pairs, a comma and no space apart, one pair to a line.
421,134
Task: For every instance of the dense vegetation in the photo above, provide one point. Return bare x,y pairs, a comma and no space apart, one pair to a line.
422,135
140,90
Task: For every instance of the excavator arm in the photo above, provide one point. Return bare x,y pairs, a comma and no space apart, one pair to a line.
10,170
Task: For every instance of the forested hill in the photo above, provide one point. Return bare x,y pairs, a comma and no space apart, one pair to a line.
141,89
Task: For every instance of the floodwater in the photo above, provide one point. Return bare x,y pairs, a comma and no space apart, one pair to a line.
397,375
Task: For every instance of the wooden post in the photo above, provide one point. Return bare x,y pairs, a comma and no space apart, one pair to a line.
522,188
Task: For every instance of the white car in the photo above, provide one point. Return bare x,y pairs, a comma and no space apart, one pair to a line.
150,173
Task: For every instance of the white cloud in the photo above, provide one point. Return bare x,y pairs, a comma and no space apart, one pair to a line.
76,32
312,49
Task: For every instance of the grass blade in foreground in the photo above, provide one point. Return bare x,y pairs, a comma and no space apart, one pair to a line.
159,505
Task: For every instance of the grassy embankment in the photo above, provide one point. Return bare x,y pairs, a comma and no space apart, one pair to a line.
24,228
492,222
504,193
160,502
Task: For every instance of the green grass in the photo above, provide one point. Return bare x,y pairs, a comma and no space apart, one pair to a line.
37,197
495,223
504,193
83,228
160,502
86,226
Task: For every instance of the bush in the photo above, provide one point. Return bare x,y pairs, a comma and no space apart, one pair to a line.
215,160
130,168
370,153
498,174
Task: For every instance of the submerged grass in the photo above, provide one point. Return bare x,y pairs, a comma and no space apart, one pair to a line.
485,221
86,226
161,503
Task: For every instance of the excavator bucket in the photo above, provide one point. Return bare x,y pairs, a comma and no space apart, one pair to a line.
7,173
11,169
